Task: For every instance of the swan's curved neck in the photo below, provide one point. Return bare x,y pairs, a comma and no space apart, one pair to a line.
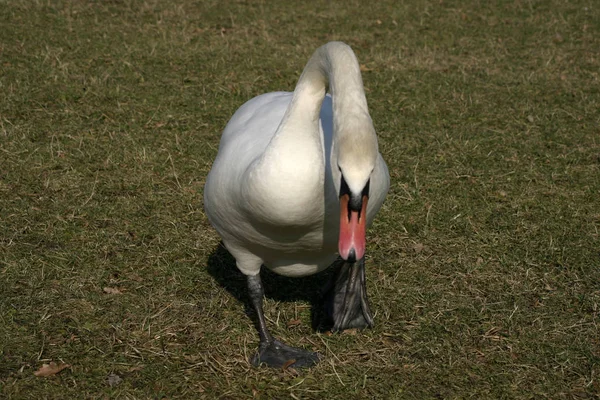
333,65
294,160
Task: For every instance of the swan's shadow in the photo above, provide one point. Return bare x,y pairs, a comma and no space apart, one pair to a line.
221,266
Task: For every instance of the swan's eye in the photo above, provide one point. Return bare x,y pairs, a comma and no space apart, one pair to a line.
344,189
365,191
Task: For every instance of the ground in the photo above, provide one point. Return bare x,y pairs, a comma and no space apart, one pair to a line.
484,264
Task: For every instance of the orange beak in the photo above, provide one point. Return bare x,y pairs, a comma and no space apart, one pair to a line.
353,230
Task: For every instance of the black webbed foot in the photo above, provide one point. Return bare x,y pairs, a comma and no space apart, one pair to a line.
345,298
276,355
272,352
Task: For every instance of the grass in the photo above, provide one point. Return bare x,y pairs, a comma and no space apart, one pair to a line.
483,264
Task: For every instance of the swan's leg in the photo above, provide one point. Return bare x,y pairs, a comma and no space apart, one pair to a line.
271,351
256,291
345,299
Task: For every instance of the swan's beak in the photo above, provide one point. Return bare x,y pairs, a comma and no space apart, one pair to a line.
353,227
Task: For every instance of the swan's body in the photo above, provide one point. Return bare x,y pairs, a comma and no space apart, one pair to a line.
289,223
275,189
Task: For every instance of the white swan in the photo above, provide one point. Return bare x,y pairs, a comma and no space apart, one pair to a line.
294,176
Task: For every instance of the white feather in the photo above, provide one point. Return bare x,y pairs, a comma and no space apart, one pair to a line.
273,190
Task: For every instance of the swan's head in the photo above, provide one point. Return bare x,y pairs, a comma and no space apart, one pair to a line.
356,157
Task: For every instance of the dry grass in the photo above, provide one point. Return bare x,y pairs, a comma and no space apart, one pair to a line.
484,264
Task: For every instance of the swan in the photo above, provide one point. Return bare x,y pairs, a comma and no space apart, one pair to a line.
297,179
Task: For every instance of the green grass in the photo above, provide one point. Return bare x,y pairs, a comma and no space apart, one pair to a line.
484,264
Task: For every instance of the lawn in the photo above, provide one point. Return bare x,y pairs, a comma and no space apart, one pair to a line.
483,265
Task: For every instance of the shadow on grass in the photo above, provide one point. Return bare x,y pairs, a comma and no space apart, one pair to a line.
221,266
